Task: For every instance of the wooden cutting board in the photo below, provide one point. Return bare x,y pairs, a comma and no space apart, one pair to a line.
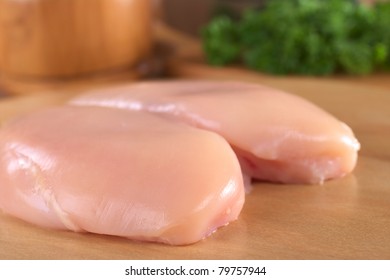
347,218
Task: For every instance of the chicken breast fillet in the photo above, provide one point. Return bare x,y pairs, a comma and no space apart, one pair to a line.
277,136
116,172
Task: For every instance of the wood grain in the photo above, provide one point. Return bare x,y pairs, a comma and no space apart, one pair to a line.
65,38
347,218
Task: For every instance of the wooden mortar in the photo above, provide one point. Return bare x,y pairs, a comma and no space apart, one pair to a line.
51,41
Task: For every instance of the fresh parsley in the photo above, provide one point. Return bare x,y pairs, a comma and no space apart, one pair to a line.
309,37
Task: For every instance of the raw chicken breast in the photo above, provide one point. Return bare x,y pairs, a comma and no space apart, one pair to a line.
116,172
277,136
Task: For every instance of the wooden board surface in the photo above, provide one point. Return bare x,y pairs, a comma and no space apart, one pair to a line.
347,218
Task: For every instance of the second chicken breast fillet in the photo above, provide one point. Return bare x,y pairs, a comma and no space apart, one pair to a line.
277,136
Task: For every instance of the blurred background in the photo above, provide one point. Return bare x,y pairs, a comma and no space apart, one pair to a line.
52,44
177,12
201,12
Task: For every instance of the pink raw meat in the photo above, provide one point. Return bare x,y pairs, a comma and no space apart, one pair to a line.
116,172
277,136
